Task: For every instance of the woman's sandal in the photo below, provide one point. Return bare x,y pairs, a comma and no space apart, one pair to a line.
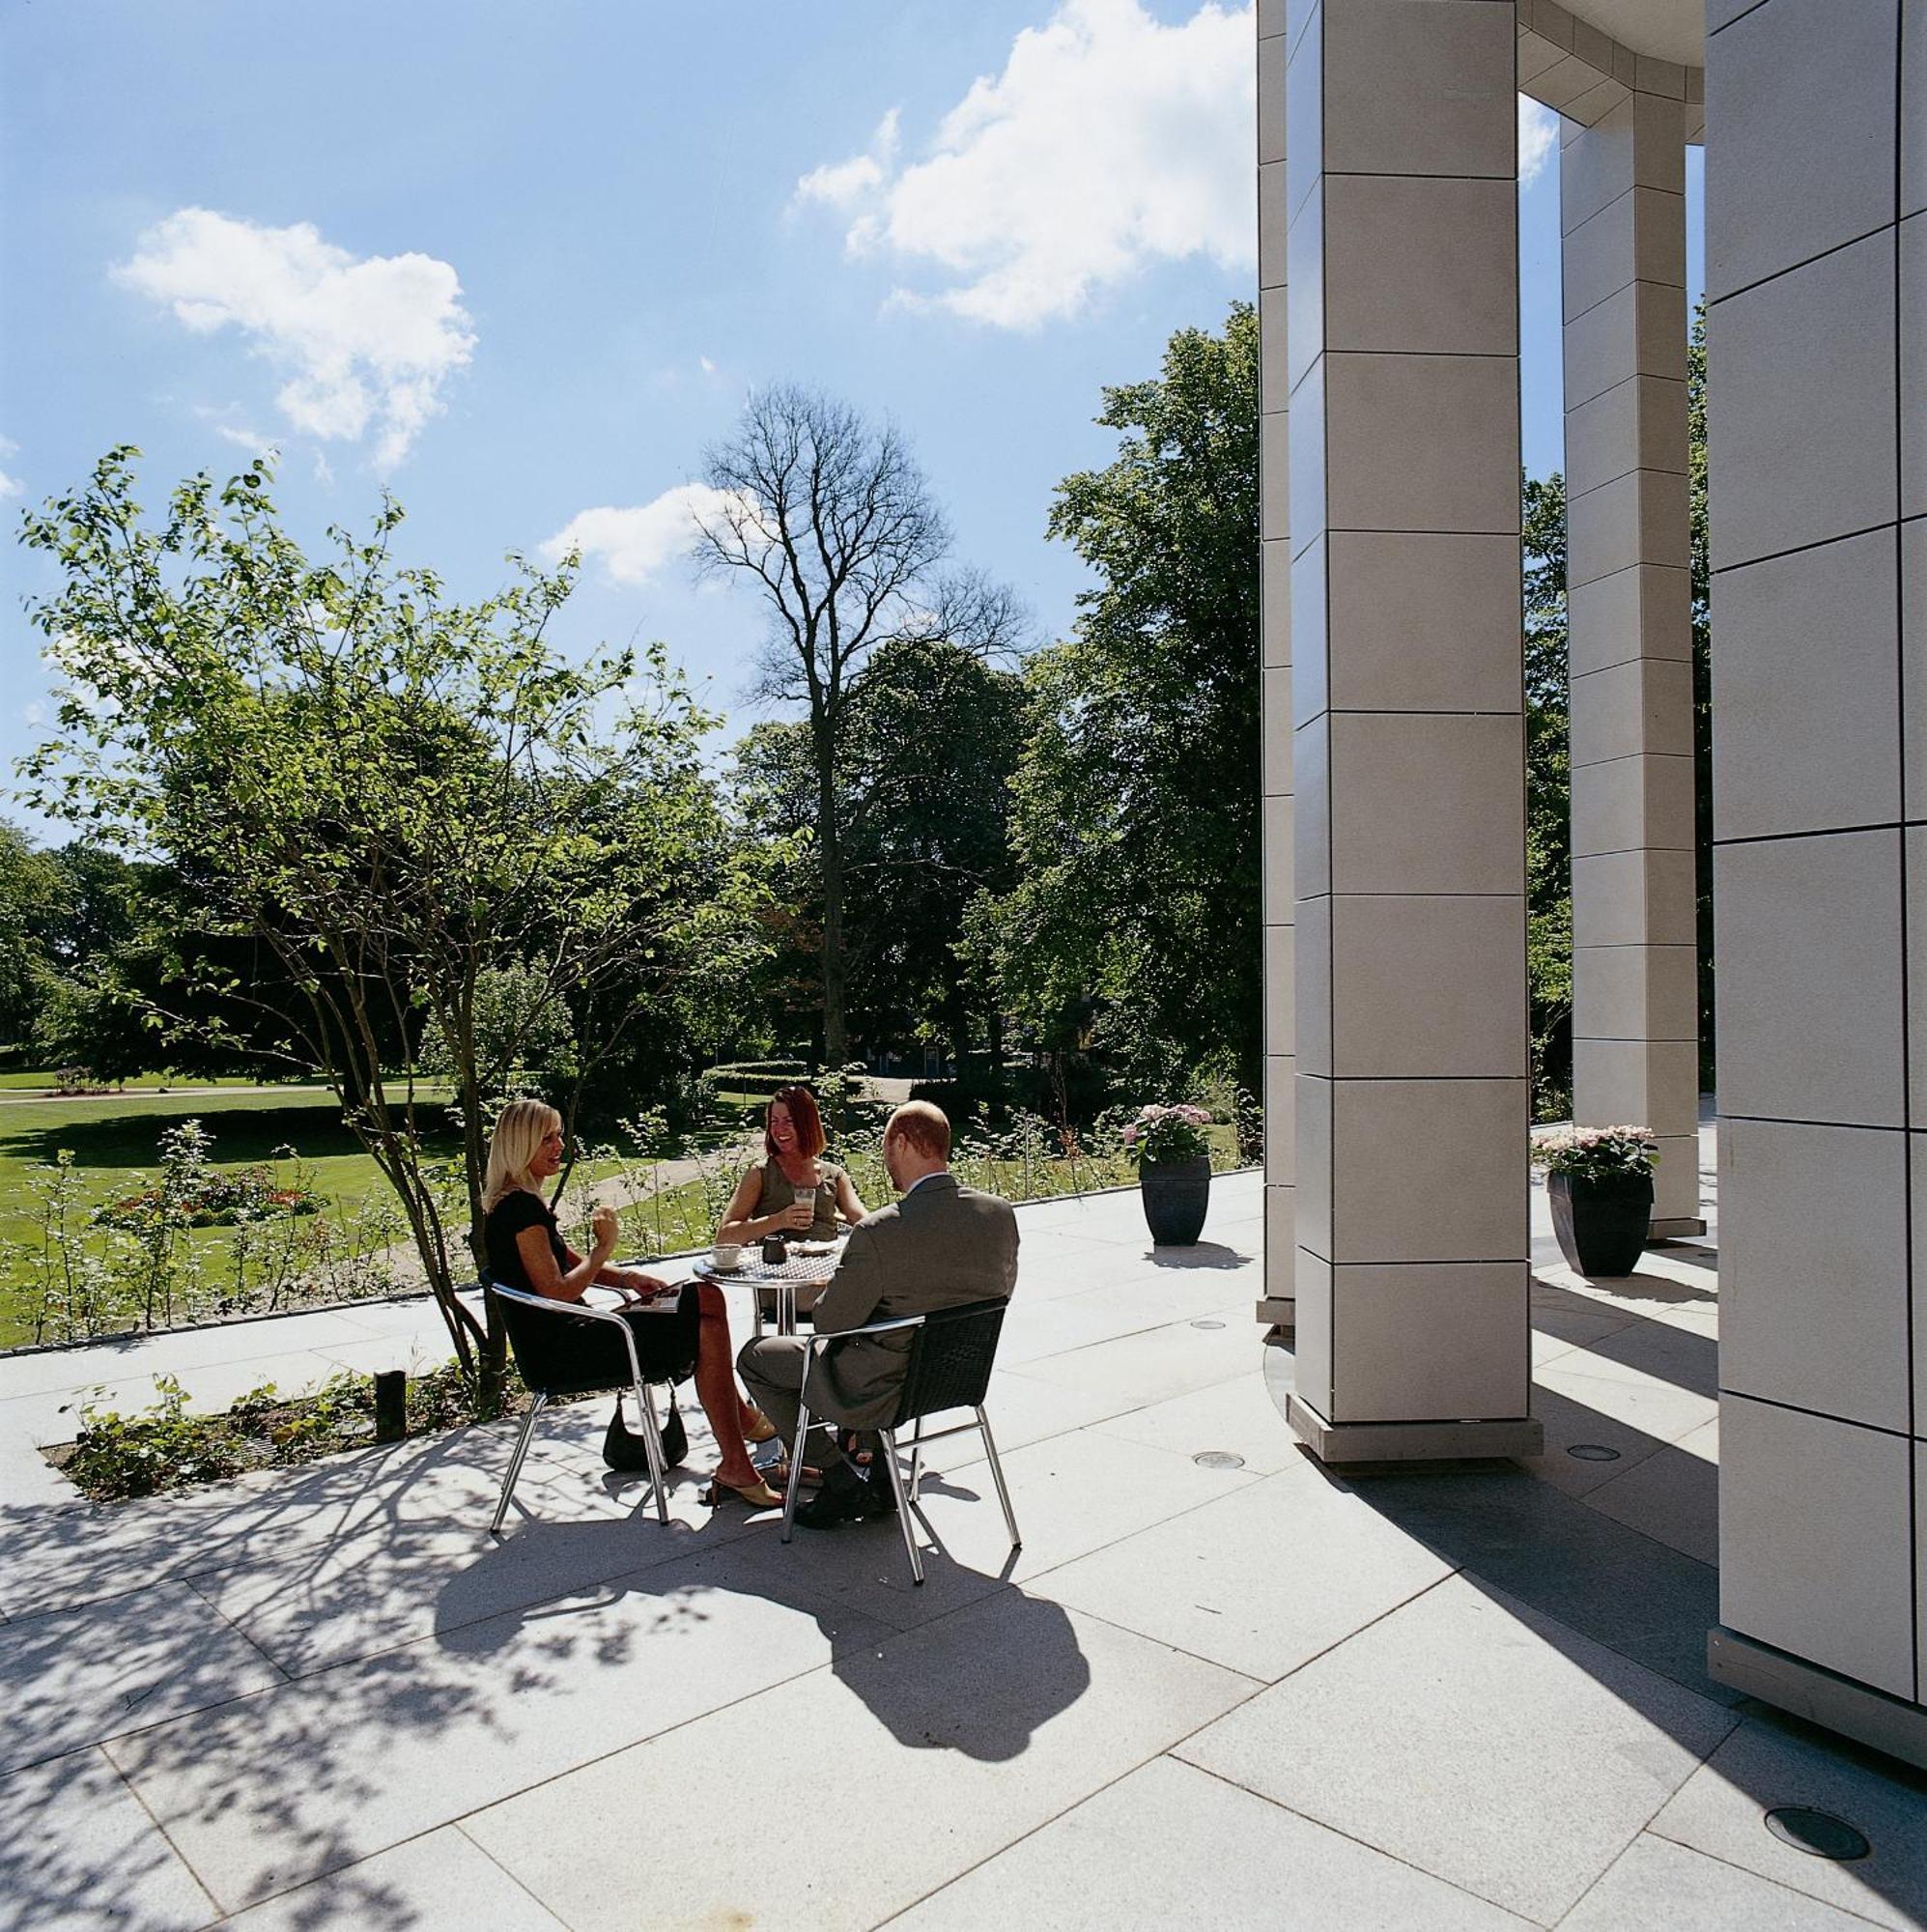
762,1429
757,1494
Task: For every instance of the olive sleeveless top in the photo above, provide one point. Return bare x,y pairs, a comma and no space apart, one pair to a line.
777,1194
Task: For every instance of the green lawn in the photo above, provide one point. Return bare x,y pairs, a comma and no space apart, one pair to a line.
43,1080
114,1143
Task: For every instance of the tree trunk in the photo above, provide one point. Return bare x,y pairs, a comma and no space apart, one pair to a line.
830,841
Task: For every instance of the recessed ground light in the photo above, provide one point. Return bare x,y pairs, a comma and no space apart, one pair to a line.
1207,1325
1592,1452
1218,1459
1818,1832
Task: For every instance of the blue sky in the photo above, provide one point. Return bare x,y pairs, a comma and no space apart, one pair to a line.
521,262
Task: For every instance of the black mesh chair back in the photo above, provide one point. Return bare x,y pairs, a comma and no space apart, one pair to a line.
951,1352
950,1356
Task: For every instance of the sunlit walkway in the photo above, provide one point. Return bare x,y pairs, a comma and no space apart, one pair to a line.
1217,1687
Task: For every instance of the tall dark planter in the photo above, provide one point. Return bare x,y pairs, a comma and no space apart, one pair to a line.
1603,1225
1177,1194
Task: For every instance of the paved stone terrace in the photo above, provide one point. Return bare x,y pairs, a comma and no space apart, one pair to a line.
1261,1696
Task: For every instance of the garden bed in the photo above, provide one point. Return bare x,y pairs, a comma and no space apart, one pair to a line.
116,1458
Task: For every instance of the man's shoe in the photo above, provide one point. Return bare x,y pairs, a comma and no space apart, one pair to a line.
846,1497
830,1505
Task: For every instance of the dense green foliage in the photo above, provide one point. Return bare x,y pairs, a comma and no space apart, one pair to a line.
373,798
1548,831
1134,924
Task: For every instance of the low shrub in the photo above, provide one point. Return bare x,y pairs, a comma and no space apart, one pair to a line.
116,1458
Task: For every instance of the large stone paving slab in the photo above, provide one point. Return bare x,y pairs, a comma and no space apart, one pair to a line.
78,1853
905,1768
1154,1364
1720,1811
76,1677
1655,1883
1071,1493
1672,1497
442,1882
280,1788
1170,1845
1564,1561
1237,1417
1259,1581
1474,1738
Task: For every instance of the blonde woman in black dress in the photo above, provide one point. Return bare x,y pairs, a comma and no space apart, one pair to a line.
526,1250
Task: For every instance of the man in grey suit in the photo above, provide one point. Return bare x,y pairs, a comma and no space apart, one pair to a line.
942,1245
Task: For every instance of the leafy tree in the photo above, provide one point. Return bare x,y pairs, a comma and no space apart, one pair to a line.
931,737
1702,607
1135,923
1548,827
829,515
29,884
379,794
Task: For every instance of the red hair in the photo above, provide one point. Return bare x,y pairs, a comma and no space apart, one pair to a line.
801,1103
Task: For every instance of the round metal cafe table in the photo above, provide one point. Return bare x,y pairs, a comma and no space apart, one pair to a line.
774,1287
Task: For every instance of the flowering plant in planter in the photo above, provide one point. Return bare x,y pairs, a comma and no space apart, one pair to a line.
1597,1154
1167,1133
1600,1182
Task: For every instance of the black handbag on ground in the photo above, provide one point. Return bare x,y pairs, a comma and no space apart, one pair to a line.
623,1449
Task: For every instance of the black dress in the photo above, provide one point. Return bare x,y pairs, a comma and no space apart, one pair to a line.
666,1340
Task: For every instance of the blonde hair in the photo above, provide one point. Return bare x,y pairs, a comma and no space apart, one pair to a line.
520,1128
924,1127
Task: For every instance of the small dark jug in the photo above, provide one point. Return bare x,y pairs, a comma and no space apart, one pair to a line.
774,1253
1603,1225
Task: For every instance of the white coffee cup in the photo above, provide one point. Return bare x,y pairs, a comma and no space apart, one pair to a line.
727,1255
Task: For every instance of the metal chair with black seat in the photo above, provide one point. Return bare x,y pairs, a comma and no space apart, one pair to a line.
951,1353
566,1349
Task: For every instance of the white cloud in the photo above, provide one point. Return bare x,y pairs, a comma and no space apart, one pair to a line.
9,486
366,344
844,184
249,439
707,367
34,716
634,542
1537,138
1109,142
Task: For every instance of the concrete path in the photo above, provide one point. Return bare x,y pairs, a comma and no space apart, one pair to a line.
1217,1686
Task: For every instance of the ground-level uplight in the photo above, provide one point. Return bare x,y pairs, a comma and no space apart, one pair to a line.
1819,1834
1218,1459
1592,1452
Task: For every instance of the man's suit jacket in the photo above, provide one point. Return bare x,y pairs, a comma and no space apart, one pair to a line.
942,1245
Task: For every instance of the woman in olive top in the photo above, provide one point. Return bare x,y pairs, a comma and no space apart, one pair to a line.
526,1251
791,1191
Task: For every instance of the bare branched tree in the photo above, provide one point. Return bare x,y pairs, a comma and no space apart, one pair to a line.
832,516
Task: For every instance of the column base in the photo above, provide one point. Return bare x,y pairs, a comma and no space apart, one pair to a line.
1412,1441
1278,1311
1820,1695
1678,1228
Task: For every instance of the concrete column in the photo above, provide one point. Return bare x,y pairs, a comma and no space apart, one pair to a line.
1636,994
1275,625
1816,272
1400,206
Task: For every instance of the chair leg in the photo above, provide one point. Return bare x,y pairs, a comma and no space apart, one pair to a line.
795,1468
997,1472
903,1522
515,1460
652,1443
917,1461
